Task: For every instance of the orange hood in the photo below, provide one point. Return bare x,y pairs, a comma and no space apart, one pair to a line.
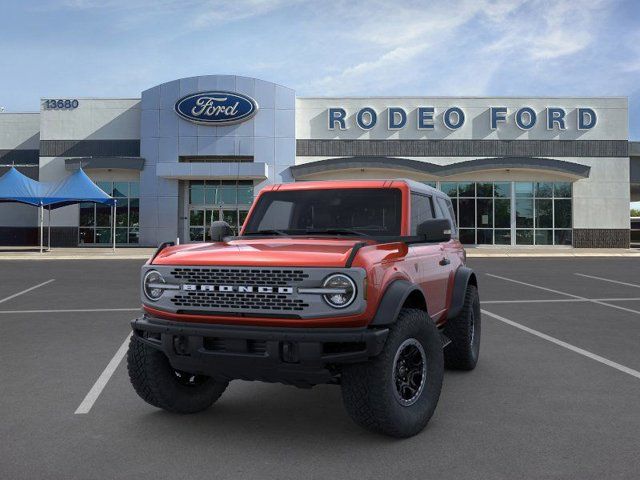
285,252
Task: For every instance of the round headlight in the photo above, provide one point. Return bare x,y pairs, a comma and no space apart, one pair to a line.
152,285
343,290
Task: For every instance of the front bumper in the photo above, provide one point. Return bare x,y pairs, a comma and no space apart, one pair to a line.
298,356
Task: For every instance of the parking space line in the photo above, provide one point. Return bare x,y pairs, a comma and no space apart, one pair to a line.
568,346
558,300
74,310
599,302
608,280
26,291
103,379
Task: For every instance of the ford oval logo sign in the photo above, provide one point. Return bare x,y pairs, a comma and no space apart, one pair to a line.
216,107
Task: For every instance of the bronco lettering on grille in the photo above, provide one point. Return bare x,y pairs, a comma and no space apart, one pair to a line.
237,288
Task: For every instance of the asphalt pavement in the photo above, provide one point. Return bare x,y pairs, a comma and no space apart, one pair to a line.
554,396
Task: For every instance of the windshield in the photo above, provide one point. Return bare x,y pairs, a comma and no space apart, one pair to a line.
341,211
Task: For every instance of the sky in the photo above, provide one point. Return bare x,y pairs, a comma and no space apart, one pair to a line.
118,48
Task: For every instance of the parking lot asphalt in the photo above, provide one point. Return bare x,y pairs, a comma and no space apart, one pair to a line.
555,394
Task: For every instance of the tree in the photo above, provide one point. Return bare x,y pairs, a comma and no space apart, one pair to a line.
635,212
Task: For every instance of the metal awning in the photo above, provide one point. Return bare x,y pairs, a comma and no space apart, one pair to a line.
572,169
209,170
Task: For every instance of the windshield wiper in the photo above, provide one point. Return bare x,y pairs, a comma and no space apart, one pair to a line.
337,231
267,232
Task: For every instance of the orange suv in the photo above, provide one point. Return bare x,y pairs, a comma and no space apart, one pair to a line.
361,284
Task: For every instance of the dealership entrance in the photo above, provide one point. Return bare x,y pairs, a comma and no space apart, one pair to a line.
213,200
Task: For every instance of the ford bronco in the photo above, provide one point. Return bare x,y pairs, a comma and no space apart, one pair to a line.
361,284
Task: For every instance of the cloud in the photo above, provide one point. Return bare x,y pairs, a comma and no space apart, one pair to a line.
394,37
335,47
224,11
477,36
548,30
199,13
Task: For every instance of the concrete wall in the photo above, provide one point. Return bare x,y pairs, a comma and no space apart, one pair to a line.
19,131
269,137
602,200
94,119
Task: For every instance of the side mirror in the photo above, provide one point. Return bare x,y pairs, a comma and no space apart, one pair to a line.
219,230
435,230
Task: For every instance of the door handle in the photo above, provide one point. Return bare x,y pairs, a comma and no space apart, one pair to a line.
444,261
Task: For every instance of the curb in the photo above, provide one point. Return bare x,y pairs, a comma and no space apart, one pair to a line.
552,255
74,257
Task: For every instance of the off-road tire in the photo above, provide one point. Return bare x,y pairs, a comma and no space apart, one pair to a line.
464,332
368,388
156,382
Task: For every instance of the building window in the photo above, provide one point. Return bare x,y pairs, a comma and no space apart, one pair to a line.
512,213
215,159
212,200
96,223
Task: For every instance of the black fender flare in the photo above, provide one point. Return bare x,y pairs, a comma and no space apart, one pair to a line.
392,301
464,275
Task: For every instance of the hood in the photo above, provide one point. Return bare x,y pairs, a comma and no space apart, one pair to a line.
285,252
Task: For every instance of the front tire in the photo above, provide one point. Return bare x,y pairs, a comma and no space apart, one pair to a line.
159,384
464,332
397,392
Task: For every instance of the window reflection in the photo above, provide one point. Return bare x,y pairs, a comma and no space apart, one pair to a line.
96,221
542,209
213,200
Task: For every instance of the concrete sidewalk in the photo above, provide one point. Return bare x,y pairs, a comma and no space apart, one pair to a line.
79,253
140,253
520,252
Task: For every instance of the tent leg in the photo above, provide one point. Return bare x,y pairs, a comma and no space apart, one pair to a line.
113,210
49,233
41,227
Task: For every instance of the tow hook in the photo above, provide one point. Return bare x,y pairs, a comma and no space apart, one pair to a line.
181,345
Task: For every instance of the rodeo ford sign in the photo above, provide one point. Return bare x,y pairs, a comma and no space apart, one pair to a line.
453,118
216,108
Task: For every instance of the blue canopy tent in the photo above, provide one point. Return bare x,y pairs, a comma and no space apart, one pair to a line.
17,187
77,188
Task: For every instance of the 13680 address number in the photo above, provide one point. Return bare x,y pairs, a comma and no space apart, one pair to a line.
61,104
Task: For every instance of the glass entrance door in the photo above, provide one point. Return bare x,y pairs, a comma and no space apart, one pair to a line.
231,217
213,200
200,220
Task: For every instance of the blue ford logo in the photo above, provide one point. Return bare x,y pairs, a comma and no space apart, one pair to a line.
216,108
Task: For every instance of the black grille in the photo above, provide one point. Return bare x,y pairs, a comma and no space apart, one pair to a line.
236,276
215,344
238,301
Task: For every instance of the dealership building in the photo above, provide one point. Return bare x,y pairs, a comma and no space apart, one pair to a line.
520,170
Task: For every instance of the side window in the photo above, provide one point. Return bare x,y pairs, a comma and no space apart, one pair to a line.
277,216
447,209
421,210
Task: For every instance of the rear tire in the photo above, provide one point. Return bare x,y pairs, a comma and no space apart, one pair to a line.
159,384
464,332
393,393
